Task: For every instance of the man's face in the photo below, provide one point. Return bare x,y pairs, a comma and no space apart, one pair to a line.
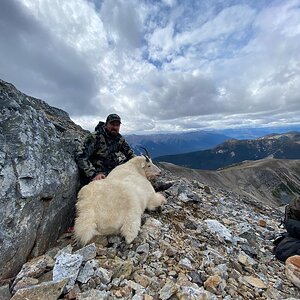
113,127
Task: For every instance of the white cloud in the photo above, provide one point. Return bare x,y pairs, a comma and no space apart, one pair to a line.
231,20
160,65
161,43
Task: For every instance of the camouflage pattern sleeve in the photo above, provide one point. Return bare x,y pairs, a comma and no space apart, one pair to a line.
83,157
293,209
126,150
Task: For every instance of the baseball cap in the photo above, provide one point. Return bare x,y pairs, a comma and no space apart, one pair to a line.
113,117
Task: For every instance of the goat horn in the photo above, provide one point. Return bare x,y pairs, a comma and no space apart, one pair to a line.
147,153
147,158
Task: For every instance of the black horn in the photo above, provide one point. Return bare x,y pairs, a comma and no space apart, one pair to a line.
147,153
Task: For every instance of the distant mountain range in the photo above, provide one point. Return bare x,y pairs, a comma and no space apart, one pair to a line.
253,133
184,142
174,143
283,146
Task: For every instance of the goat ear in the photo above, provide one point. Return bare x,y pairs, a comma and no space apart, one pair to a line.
143,164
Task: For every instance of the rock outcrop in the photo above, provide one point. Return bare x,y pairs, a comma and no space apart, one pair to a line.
38,176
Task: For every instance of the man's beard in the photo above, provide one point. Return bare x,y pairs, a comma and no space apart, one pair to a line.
113,133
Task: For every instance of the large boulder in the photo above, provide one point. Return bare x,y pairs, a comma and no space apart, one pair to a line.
38,176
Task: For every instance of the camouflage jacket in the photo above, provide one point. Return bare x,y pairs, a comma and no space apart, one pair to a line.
292,218
101,153
293,209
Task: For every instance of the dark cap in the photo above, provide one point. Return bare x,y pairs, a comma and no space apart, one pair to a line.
113,117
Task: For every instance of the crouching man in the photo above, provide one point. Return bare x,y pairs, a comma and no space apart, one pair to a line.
104,150
288,244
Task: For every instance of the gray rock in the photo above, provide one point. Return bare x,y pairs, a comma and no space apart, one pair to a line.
152,228
114,239
87,271
104,275
44,291
191,224
88,252
67,266
38,176
67,249
221,270
216,227
24,283
168,290
93,294
195,277
207,189
185,194
4,292
193,293
143,248
185,263
33,268
135,286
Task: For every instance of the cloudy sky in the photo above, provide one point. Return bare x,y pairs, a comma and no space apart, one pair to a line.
166,65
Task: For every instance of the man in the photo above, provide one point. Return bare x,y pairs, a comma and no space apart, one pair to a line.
103,150
288,244
292,218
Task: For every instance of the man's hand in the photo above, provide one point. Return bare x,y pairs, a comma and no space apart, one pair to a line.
99,177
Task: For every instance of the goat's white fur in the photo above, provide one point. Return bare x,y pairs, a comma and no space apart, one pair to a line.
115,204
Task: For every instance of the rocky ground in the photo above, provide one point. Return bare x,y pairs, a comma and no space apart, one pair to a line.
205,243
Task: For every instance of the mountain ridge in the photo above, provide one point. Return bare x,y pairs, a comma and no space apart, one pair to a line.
173,143
271,181
170,143
286,146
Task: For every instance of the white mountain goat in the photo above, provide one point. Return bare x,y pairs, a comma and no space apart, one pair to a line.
115,204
